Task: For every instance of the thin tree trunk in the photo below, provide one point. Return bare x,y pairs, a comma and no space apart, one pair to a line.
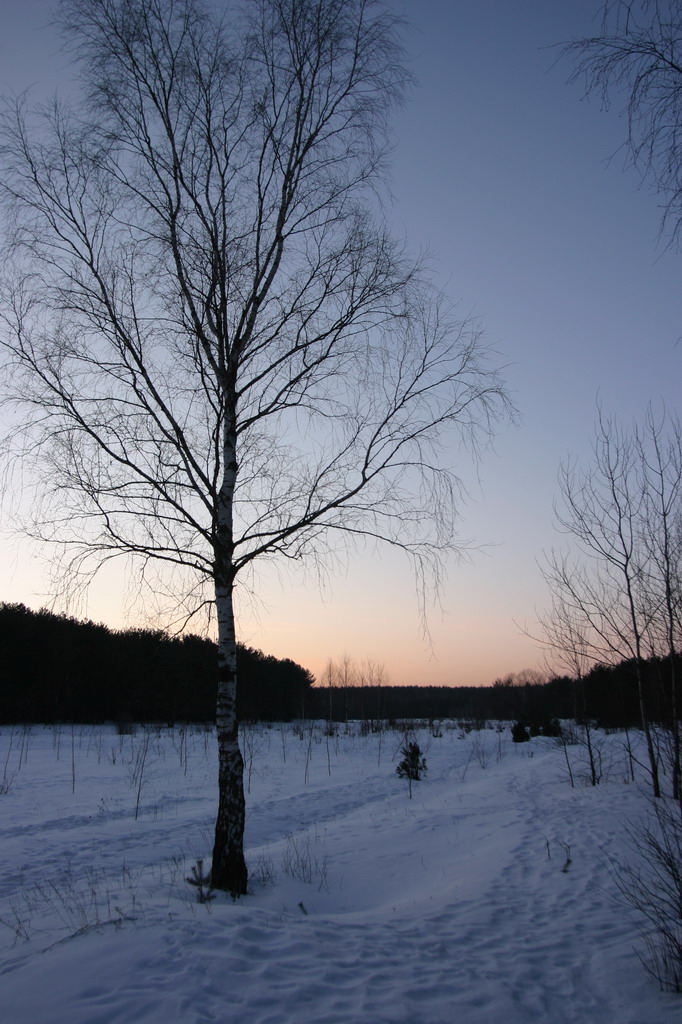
588,728
568,762
677,766
590,753
228,870
631,759
674,702
653,763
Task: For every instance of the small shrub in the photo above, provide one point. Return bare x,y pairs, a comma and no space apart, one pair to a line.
654,888
124,727
520,733
264,873
301,861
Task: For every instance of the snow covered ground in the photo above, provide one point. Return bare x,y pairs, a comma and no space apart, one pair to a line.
487,897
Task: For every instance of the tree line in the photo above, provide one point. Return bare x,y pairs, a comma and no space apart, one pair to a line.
608,696
57,669
54,668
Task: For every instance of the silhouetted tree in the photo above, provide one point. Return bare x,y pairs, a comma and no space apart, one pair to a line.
619,601
223,354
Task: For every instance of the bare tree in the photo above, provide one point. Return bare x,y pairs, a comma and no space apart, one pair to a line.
637,57
600,608
221,353
345,675
658,446
564,635
620,599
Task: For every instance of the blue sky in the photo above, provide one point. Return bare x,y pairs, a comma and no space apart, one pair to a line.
514,184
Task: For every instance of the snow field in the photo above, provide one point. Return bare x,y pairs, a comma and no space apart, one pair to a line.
489,896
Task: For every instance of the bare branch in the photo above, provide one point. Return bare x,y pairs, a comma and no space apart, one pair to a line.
636,59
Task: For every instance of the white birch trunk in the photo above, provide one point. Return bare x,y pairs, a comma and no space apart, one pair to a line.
228,869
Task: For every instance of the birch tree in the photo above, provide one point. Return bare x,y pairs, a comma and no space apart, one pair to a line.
220,352
617,598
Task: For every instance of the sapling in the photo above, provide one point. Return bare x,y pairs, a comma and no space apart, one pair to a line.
201,881
413,765
73,760
138,770
308,754
6,776
23,752
246,736
479,751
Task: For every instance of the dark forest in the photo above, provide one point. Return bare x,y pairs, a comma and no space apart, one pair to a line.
57,669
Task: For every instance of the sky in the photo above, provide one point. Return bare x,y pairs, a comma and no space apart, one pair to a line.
514,184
